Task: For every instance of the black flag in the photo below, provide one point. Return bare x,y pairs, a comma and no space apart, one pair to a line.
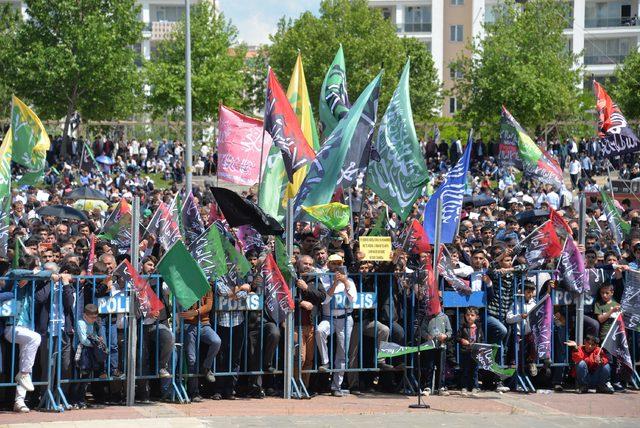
239,211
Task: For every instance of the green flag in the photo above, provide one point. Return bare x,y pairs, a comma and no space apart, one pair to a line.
334,100
390,349
16,254
183,275
333,215
379,228
209,254
273,184
30,142
283,261
235,258
619,227
397,172
339,158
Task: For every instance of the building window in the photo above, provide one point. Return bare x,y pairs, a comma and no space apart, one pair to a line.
456,33
608,14
454,105
457,2
608,51
417,19
169,13
454,73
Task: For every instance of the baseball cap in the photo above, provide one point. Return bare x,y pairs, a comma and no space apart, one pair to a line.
335,258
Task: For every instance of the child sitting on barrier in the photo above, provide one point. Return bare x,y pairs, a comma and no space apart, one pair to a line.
470,332
91,353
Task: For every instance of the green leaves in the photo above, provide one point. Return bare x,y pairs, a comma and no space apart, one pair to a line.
370,43
523,63
626,86
216,62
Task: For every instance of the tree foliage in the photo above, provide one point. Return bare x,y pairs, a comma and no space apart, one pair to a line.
76,55
626,89
523,63
216,68
370,43
9,20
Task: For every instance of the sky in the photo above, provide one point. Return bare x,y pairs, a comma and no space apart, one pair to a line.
256,19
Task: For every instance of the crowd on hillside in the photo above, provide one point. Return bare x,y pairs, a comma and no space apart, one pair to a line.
331,342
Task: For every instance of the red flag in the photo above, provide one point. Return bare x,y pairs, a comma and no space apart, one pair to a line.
606,110
277,296
559,221
617,136
553,246
338,195
282,124
148,300
214,213
417,241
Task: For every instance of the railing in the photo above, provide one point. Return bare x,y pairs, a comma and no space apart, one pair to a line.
411,27
604,59
624,21
347,335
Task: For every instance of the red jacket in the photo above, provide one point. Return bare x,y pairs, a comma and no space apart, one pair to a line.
581,355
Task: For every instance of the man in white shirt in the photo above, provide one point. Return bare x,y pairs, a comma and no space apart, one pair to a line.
574,171
336,318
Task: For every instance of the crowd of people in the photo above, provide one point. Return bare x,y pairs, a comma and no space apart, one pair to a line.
332,341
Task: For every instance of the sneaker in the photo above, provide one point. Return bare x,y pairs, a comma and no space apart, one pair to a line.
323,368
257,393
196,399
210,377
464,392
501,388
533,370
475,392
337,393
117,374
581,390
443,392
607,388
619,387
20,407
24,379
164,373
558,388
271,369
426,391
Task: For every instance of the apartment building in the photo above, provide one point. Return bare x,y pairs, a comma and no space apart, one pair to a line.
159,18
602,32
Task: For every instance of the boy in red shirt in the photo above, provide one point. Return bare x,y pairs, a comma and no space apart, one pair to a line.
592,366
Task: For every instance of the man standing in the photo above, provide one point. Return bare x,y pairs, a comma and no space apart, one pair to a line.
336,318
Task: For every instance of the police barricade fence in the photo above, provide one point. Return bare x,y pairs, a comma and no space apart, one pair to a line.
341,337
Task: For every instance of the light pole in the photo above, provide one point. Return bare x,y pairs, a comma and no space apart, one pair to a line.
189,140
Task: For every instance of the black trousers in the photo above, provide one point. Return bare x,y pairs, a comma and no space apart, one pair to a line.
229,357
261,354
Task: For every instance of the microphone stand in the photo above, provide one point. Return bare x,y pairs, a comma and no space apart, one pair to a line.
419,404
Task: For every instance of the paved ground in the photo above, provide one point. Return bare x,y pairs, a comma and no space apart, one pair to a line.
490,409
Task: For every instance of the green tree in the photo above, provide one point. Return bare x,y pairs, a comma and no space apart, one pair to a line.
255,73
216,68
370,43
9,21
76,56
626,89
523,63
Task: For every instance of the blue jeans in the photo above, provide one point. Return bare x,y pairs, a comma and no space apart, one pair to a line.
496,331
112,340
468,371
208,337
596,379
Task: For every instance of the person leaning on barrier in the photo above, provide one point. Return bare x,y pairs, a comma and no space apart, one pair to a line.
310,296
196,321
336,320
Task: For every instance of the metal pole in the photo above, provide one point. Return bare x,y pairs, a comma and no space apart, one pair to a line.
580,303
133,332
288,326
187,57
437,238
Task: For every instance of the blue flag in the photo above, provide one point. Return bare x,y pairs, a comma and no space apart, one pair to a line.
451,192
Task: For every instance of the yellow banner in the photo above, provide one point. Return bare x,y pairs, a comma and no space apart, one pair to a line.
376,248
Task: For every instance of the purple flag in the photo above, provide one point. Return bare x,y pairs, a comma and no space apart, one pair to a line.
191,220
446,271
540,320
616,343
163,227
572,269
631,300
249,238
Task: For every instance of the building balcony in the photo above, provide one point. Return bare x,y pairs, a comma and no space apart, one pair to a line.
410,27
603,59
610,22
160,30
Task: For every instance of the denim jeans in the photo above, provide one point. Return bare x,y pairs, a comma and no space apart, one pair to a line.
592,380
112,340
208,337
468,371
496,330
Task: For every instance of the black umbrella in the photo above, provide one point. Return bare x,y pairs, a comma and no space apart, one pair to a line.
240,211
478,200
62,211
86,192
532,216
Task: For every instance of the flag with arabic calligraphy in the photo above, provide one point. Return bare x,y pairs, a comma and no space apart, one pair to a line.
617,136
240,147
30,142
334,100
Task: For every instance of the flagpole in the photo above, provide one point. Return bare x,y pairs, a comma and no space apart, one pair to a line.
580,303
133,333
264,121
288,326
188,157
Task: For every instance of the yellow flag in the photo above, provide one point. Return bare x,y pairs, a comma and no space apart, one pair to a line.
298,96
5,165
30,141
